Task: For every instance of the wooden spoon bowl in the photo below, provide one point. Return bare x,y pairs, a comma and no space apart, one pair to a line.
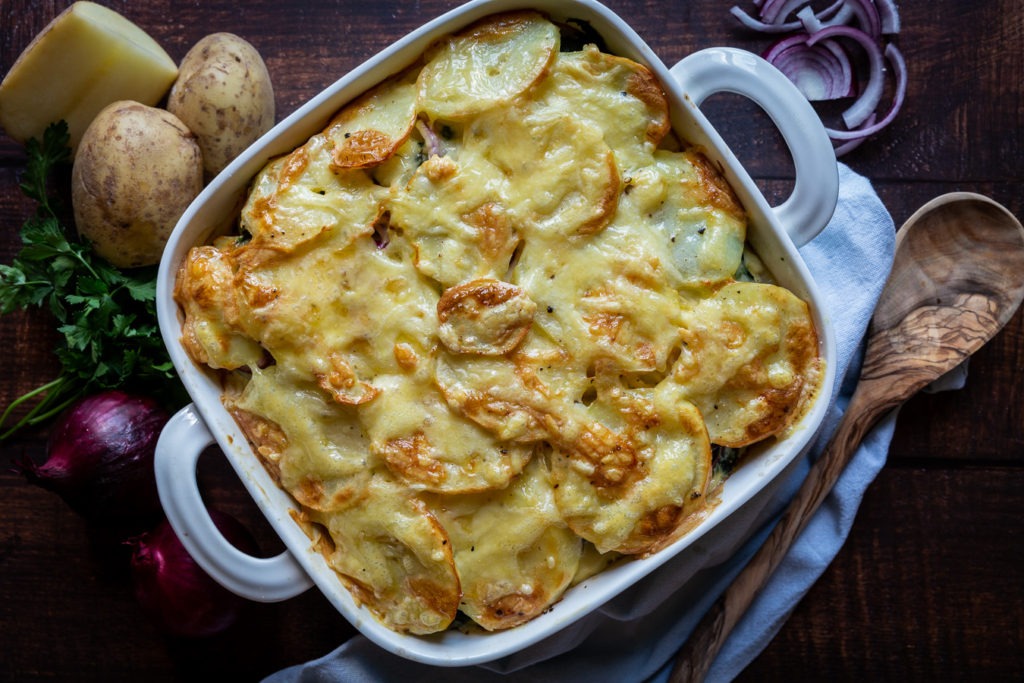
957,278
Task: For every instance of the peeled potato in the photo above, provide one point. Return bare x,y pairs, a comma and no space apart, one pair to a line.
137,170
86,58
225,97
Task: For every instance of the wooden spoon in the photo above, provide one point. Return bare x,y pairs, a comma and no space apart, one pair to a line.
957,278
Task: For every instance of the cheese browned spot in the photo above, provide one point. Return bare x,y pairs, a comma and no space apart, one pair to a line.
212,311
749,361
430,446
488,317
631,502
368,131
397,557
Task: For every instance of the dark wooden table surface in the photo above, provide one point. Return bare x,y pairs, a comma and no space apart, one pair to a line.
930,584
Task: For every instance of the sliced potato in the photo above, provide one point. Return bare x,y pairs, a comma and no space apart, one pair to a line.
454,217
514,555
395,557
369,131
431,447
510,402
748,353
296,199
488,317
210,331
695,210
607,298
563,180
490,63
624,485
326,445
601,88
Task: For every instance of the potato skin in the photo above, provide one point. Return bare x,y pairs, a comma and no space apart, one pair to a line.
136,171
224,95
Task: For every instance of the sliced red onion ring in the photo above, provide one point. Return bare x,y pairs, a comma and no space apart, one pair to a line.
817,58
899,65
837,13
760,26
787,8
849,145
871,95
844,64
889,16
772,17
431,141
771,11
821,71
867,16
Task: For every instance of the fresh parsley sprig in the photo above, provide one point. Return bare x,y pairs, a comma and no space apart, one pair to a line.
106,316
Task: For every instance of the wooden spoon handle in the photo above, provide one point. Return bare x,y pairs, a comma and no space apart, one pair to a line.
695,657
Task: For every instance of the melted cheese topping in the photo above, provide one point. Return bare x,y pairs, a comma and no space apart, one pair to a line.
512,548
486,327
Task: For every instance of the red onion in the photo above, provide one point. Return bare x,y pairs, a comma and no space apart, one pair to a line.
816,56
100,458
869,126
889,16
431,140
819,71
871,95
175,591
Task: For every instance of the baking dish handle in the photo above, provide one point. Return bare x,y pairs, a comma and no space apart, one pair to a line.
816,190
269,579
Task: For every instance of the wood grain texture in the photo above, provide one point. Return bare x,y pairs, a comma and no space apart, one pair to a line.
928,587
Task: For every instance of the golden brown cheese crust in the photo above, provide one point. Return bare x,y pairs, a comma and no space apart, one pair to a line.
486,326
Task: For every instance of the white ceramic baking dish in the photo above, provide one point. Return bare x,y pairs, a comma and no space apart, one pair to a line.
775,233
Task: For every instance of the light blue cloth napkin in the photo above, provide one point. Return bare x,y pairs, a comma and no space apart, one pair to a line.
634,637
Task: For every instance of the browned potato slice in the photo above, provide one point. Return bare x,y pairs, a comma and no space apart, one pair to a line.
697,214
429,446
454,217
563,180
748,353
319,458
630,478
210,330
297,199
611,297
369,130
490,63
601,89
508,400
513,552
338,378
485,316
395,557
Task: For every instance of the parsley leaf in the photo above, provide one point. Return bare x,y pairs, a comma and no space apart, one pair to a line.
106,316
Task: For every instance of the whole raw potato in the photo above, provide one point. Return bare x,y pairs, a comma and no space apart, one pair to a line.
224,95
137,170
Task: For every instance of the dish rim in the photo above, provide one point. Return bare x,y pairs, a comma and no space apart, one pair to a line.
220,200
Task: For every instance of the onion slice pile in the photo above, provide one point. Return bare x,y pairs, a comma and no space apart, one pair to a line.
822,50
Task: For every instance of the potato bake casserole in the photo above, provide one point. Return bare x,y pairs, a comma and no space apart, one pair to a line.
490,327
